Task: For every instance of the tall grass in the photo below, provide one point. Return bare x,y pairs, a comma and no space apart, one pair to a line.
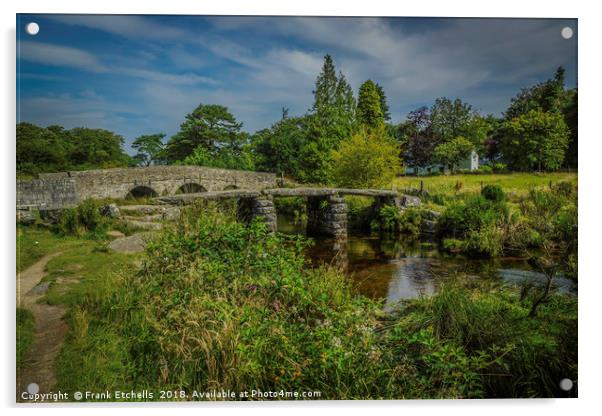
221,305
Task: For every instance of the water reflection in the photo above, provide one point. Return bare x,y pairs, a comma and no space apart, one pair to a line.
394,269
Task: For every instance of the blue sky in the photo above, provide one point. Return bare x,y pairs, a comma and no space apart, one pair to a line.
138,75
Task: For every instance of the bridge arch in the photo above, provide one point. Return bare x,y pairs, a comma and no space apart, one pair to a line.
141,191
190,188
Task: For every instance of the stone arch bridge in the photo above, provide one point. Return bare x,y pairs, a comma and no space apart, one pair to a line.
57,190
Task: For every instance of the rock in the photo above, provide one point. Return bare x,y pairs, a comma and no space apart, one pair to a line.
410,201
432,215
40,289
115,234
428,226
142,209
51,215
145,225
132,244
171,214
25,217
110,211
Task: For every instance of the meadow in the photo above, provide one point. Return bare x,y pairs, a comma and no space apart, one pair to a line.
514,184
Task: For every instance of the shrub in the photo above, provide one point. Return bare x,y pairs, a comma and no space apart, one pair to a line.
485,242
484,169
392,219
452,245
499,167
474,213
565,189
493,193
368,159
530,355
83,218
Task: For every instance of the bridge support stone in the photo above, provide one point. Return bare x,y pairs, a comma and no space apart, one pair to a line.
327,215
259,207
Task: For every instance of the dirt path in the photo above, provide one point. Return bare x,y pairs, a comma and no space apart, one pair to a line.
49,330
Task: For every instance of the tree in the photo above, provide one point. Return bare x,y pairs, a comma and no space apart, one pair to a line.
369,112
150,148
450,119
368,159
384,106
223,158
331,119
211,126
545,96
570,117
452,152
417,138
535,140
54,149
334,105
41,150
278,149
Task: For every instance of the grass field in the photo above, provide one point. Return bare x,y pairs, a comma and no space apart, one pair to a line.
516,184
34,243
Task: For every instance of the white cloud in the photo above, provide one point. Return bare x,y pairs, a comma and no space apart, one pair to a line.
136,27
55,55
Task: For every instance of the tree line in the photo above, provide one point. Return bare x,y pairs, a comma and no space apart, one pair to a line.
340,139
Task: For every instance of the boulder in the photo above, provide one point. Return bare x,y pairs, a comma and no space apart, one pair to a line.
25,216
410,201
432,215
110,211
51,215
428,226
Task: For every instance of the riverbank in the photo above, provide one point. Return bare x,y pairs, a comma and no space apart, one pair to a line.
218,304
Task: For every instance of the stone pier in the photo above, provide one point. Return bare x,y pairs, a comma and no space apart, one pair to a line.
327,215
258,207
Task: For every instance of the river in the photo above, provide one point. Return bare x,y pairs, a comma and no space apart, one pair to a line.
398,269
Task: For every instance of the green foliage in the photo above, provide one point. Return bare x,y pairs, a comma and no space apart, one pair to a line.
547,96
392,219
369,112
553,216
472,214
530,355
484,242
384,106
493,193
84,218
535,140
451,119
54,149
210,126
278,148
219,305
452,152
499,167
368,159
224,158
25,326
360,212
150,149
484,170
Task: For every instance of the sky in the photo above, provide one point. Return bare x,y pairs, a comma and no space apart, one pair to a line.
138,75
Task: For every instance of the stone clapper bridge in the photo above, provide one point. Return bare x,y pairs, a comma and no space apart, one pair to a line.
326,207
180,185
